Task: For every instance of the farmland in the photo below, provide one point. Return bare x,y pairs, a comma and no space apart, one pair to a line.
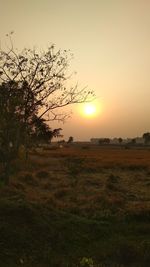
77,202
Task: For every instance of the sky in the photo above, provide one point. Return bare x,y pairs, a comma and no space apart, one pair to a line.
110,40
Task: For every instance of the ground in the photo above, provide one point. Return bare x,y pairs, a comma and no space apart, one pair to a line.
79,205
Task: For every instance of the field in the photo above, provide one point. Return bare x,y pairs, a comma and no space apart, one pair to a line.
79,205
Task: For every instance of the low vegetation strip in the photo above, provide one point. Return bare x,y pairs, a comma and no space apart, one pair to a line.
76,216
42,237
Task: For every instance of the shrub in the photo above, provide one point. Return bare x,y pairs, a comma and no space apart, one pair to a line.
86,262
74,166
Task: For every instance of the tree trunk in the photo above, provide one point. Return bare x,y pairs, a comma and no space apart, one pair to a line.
6,172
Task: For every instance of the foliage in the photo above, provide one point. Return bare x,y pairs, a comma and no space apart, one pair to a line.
70,139
120,140
86,262
133,141
31,232
41,132
33,85
146,137
10,115
103,141
43,79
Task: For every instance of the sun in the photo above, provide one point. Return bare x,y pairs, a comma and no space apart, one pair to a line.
89,110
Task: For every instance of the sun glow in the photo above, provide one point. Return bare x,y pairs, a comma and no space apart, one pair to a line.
89,110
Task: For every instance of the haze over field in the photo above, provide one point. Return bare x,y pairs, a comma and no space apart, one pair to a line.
110,40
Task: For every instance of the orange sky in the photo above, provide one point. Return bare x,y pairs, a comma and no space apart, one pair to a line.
110,40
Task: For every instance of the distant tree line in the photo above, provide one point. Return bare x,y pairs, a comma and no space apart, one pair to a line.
104,141
133,141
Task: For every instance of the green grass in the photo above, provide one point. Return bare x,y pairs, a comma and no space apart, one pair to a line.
39,236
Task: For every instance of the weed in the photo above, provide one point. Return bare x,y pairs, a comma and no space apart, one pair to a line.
74,166
86,262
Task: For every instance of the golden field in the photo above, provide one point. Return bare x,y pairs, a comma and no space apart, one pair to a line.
86,180
77,206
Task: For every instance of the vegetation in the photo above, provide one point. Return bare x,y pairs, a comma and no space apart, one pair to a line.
77,207
146,137
33,86
70,139
103,141
120,140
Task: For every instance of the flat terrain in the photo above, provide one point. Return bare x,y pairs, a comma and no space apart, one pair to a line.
75,202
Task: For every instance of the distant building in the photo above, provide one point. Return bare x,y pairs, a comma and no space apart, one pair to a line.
95,141
115,141
100,141
140,140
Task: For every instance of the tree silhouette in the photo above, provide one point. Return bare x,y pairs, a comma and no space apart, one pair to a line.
40,132
120,140
70,139
33,86
104,141
133,141
42,76
146,137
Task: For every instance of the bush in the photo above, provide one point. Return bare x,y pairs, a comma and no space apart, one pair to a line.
75,166
86,262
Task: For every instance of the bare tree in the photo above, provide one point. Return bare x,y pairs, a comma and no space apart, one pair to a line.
43,78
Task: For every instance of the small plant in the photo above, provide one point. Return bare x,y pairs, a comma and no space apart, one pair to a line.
75,167
86,262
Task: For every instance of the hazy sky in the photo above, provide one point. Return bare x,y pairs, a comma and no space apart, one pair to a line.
110,40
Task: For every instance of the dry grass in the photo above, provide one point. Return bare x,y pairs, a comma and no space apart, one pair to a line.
87,181
109,188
